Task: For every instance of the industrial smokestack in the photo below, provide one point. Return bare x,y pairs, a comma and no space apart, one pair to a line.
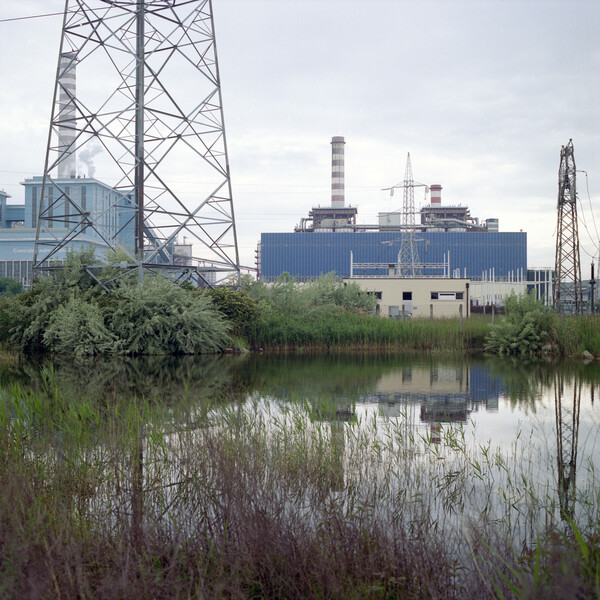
436,194
67,124
337,172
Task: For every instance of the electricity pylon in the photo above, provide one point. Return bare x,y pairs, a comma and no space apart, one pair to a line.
408,257
148,107
568,295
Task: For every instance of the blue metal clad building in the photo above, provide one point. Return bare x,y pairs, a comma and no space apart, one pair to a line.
18,222
312,254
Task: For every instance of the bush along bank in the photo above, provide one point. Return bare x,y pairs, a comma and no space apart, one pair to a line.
531,329
71,314
326,313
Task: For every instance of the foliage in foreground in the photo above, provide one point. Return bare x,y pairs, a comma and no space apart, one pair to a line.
327,313
133,499
73,315
523,330
529,327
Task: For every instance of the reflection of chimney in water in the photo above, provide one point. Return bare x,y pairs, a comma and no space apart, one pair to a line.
67,124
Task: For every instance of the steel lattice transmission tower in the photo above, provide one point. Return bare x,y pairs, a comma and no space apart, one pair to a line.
408,257
568,294
148,108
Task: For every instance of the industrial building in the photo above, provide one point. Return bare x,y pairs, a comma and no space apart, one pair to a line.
19,221
308,255
403,298
445,242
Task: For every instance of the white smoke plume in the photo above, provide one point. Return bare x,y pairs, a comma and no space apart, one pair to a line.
87,157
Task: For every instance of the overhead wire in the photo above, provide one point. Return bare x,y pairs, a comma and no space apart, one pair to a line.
583,220
56,14
587,185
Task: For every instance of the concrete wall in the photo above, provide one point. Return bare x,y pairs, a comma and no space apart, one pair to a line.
420,297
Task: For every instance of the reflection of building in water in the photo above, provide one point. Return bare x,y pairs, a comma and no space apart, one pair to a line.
441,393
567,435
445,409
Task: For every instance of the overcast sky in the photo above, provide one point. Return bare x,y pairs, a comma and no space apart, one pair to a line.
483,94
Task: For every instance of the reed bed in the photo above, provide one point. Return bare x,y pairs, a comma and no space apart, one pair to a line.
340,329
255,500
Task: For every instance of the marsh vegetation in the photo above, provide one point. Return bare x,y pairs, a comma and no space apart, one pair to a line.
297,477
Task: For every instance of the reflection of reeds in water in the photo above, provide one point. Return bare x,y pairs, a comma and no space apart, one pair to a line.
257,499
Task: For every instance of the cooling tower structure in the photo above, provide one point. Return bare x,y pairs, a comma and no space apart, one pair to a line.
337,172
147,105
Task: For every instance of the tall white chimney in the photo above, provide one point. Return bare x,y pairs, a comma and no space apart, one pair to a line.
67,123
337,172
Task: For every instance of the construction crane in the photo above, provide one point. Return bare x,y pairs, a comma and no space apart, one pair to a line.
568,295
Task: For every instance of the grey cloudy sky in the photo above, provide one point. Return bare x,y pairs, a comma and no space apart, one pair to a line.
481,93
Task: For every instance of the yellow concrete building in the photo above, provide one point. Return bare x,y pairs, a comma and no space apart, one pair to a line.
414,298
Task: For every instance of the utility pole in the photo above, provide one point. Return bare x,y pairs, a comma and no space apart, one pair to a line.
592,284
568,295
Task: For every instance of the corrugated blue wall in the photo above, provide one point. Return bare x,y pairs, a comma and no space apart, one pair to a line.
311,254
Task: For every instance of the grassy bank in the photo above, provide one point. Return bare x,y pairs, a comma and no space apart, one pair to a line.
73,315
339,329
136,499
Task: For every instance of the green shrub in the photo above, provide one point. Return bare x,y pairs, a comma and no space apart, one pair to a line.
158,317
77,327
9,287
524,329
31,312
328,291
71,314
240,309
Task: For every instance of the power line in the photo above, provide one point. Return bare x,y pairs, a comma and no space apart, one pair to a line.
582,219
33,17
587,185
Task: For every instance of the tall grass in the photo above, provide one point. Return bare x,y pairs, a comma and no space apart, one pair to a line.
326,313
572,335
136,498
342,329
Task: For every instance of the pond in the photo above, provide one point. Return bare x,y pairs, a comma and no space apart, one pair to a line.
461,450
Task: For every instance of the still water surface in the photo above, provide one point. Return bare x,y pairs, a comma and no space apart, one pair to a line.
510,430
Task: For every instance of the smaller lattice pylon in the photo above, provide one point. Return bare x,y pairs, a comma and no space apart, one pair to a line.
568,295
409,264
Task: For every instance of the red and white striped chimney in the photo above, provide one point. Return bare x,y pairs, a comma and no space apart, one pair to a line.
436,194
337,172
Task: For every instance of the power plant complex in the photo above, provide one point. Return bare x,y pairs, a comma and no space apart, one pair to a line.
440,249
445,240
438,260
